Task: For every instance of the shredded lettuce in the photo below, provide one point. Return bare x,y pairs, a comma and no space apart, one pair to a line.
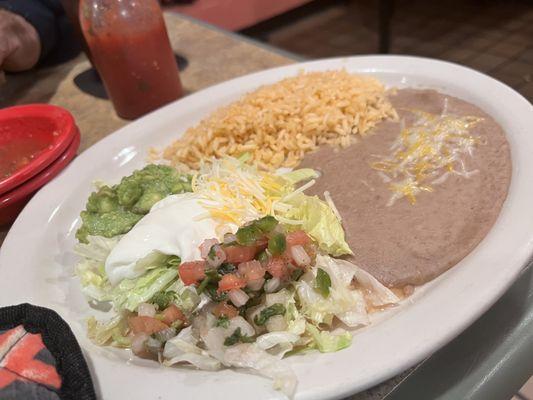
97,248
320,222
376,293
129,293
328,342
186,298
183,348
343,302
94,283
90,269
251,356
299,175
277,343
286,332
294,320
262,358
112,332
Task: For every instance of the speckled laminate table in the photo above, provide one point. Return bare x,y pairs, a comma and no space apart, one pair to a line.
488,361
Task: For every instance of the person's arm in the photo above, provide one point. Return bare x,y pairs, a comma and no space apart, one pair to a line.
28,32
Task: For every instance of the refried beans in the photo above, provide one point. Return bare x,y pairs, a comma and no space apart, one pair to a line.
410,244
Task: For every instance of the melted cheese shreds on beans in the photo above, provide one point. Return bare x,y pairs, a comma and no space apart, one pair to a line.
426,153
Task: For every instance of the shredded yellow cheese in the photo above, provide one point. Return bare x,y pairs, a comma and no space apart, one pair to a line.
426,153
236,193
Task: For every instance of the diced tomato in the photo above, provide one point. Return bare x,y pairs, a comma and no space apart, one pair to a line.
192,272
224,309
251,270
239,254
277,267
146,325
297,237
173,313
231,281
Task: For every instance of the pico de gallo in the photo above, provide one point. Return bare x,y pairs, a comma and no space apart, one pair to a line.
181,293
260,258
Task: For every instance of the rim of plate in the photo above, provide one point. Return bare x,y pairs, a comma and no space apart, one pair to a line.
505,250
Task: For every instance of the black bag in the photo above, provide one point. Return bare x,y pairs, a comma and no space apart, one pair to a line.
40,358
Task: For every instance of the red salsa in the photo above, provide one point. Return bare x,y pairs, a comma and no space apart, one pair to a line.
18,146
131,50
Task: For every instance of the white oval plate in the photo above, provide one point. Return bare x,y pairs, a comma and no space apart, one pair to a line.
36,260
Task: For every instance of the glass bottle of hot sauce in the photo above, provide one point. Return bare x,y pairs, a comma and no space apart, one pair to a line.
130,48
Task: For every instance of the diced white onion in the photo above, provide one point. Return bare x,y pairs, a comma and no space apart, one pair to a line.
239,322
253,312
205,247
276,323
264,263
146,310
215,337
214,343
300,256
282,297
238,297
137,344
219,257
229,238
213,263
272,285
203,323
256,284
153,345
165,334
280,229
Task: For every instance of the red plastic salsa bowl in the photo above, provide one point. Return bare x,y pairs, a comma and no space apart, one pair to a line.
12,202
31,138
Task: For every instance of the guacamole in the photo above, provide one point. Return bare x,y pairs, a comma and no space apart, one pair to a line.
114,210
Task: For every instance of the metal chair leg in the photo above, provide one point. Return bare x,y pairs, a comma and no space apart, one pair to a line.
385,11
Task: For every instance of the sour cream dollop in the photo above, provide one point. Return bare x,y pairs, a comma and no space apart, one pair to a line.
172,227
